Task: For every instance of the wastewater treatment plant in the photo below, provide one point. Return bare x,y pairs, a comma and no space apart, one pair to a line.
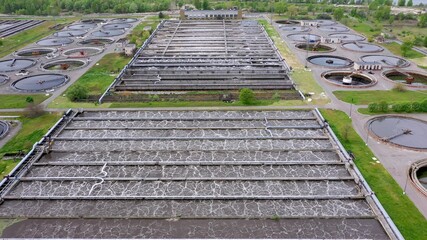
209,124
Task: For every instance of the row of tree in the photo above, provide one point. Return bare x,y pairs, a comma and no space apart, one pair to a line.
401,3
54,7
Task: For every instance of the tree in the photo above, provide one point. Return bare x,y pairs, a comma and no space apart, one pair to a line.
406,48
280,7
197,4
205,5
338,14
401,3
77,92
292,10
425,41
423,20
410,3
247,96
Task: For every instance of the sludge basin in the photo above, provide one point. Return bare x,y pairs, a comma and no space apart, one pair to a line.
82,52
11,65
70,33
412,78
64,65
34,52
348,79
83,26
295,29
312,47
55,41
40,82
330,61
109,33
4,128
96,41
3,79
362,47
386,61
300,37
115,26
347,37
400,131
333,28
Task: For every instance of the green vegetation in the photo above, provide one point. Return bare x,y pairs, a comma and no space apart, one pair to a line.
187,104
20,100
366,97
410,221
97,79
407,107
49,7
407,51
139,35
32,130
77,92
20,40
6,166
247,96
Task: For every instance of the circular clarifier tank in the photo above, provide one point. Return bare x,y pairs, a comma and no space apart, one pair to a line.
70,33
41,82
108,33
82,52
326,22
95,20
312,47
124,20
330,61
114,26
349,79
419,175
4,128
400,131
333,28
288,22
96,41
64,65
3,79
34,52
11,65
82,26
386,61
300,37
362,47
347,37
411,78
295,29
55,41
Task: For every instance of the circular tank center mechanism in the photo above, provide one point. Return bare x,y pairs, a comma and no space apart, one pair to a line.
300,37
70,33
108,33
82,52
347,37
34,52
64,65
330,61
124,20
333,28
95,20
314,47
40,82
348,79
11,65
3,79
115,26
362,47
386,61
295,29
400,131
96,41
407,77
4,128
55,41
288,22
82,26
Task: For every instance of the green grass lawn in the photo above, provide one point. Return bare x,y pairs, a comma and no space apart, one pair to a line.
366,97
366,28
32,130
20,40
99,77
395,49
402,211
6,166
19,100
138,35
303,79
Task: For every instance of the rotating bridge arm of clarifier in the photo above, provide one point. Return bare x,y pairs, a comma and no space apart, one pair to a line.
404,132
